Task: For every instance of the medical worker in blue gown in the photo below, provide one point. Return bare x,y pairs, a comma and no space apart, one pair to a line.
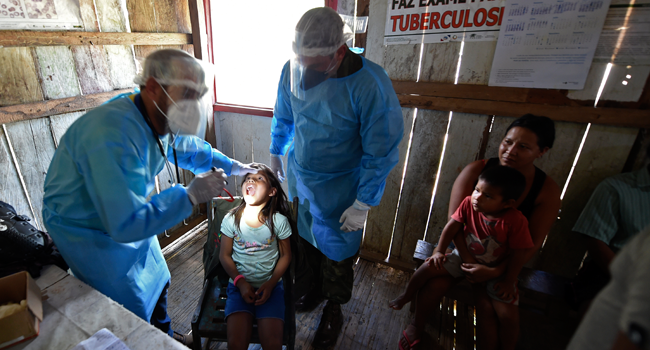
339,118
95,201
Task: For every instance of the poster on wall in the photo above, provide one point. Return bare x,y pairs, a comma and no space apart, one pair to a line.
40,14
547,44
439,21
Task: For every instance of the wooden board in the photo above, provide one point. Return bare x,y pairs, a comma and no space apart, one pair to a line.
121,66
381,219
53,107
142,15
603,155
245,138
421,169
463,145
60,124
643,156
34,147
476,62
11,189
376,25
92,69
439,62
166,18
614,89
401,61
57,72
111,16
183,17
88,15
36,38
18,77
583,114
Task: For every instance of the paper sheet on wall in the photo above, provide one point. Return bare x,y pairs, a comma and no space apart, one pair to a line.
547,44
40,14
625,39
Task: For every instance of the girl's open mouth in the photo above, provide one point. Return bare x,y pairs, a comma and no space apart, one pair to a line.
250,190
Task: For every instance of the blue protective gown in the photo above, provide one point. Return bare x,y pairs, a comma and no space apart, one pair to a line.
96,207
345,135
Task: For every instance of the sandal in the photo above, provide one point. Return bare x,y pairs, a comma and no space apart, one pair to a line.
408,341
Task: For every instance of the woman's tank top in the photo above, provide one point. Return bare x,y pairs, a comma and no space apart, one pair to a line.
526,207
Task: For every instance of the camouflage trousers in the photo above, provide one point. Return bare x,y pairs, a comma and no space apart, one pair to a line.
334,279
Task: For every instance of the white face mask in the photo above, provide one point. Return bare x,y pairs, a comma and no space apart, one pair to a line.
183,117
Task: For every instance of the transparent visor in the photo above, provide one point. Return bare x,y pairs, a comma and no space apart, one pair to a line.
309,72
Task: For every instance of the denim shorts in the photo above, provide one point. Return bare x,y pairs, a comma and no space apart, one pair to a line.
272,308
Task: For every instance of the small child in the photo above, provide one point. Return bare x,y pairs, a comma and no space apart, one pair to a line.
493,230
255,261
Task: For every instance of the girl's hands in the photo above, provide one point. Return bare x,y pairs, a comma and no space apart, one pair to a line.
246,291
437,260
264,292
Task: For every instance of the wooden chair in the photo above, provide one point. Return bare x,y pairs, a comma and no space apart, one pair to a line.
209,317
453,325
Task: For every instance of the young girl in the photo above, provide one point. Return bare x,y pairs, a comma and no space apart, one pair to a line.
255,261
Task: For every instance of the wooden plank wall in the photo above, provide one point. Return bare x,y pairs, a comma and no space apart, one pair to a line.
245,138
42,73
605,151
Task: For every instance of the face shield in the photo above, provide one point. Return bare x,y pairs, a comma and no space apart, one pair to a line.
319,34
185,82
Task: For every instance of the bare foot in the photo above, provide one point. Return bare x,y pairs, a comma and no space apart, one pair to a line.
410,338
398,303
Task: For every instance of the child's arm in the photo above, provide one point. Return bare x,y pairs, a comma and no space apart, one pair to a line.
438,257
461,247
264,292
225,256
505,288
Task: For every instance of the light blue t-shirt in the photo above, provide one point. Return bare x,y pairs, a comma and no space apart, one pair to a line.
255,250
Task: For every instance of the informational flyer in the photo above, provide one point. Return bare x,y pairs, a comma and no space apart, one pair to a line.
438,21
40,14
547,44
625,39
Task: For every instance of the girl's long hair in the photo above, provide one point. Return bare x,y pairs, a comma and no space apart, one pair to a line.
277,203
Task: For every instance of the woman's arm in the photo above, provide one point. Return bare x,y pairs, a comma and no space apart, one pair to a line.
545,212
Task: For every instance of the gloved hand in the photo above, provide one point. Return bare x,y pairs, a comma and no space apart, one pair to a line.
354,217
241,169
277,166
206,186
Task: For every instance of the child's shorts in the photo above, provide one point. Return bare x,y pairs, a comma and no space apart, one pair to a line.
272,308
452,265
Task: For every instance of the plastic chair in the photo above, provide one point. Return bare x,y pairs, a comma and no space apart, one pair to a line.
209,317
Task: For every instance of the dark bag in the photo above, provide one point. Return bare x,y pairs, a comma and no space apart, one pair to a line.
23,247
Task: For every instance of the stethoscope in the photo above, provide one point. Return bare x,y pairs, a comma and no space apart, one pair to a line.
138,103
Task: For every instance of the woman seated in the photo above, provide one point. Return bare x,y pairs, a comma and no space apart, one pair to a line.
526,139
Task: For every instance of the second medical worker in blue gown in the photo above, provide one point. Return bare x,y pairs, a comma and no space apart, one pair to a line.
95,201
339,118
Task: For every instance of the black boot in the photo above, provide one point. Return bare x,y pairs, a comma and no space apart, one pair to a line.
330,326
309,301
